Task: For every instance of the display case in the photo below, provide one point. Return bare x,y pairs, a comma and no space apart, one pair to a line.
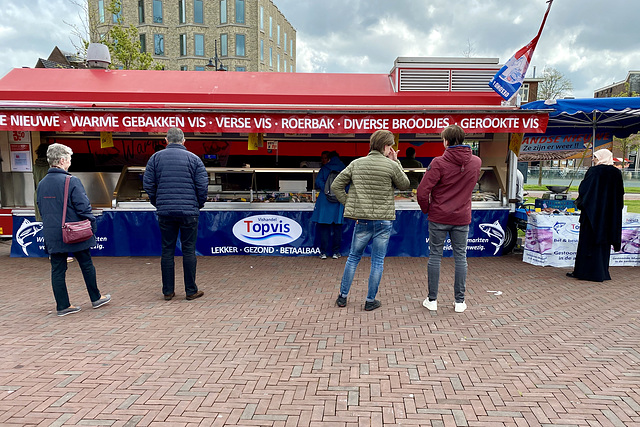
270,188
229,187
129,191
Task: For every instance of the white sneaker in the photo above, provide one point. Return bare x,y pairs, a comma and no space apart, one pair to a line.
459,307
431,305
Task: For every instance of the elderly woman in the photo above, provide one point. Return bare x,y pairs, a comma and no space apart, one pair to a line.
51,202
600,200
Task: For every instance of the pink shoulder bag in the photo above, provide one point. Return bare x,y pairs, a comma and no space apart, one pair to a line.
74,232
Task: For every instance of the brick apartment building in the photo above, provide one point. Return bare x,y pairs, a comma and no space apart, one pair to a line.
615,89
250,35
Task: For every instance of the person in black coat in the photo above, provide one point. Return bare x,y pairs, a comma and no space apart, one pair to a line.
600,200
51,202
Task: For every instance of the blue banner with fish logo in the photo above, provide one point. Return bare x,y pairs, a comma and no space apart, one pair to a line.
278,233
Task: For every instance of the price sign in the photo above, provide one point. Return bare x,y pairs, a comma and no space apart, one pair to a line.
21,136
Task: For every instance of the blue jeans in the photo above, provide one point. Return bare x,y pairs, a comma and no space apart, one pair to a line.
377,232
437,235
169,228
59,273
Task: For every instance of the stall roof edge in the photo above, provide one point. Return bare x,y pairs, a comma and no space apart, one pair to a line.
150,88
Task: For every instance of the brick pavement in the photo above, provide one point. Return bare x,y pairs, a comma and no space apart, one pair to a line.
266,346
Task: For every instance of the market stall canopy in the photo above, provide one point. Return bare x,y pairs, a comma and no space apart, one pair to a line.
619,116
151,101
575,123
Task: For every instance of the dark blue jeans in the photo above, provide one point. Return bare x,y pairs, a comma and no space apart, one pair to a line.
170,226
326,231
59,274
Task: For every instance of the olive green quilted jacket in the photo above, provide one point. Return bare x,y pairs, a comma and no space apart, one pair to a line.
371,182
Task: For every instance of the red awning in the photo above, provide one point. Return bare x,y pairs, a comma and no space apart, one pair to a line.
151,101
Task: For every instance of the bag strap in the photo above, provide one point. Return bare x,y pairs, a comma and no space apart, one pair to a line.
66,196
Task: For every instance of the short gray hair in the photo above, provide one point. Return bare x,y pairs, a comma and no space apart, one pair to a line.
57,152
175,136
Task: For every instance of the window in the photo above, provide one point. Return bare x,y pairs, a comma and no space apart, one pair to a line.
143,43
241,68
223,11
184,68
285,66
270,27
157,12
285,42
141,11
239,44
117,17
158,44
270,57
183,44
198,12
224,45
524,93
261,50
278,33
278,62
239,11
182,12
101,11
291,68
262,18
199,43
199,68
291,47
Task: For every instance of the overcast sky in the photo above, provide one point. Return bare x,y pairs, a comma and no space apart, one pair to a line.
592,42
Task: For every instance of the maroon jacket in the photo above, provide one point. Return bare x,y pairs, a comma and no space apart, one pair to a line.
445,190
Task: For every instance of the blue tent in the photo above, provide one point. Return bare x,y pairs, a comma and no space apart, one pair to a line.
620,116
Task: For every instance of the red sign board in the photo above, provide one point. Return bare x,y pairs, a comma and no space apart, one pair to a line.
317,122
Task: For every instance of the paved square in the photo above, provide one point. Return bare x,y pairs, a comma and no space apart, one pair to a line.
266,346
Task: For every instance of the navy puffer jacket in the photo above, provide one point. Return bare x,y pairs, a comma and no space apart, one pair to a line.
50,203
176,182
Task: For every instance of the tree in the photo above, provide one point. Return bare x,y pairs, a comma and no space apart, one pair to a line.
123,42
81,34
470,50
554,85
632,142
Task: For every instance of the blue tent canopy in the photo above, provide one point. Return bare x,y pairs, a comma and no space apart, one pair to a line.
620,116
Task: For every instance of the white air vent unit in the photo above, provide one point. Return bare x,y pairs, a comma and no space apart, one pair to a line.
424,80
471,80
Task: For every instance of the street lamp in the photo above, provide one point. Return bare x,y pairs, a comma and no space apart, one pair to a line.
213,62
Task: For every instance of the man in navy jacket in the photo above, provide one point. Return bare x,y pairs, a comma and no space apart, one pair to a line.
177,182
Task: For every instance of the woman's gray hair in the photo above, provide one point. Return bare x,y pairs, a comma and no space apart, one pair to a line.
57,152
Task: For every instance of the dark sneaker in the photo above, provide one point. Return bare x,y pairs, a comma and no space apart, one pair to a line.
102,301
323,256
372,305
68,310
336,256
169,297
194,296
341,301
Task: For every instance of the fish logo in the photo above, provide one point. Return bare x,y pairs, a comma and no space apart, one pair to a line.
494,230
27,229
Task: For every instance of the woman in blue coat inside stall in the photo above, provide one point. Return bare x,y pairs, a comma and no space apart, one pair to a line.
327,214
51,202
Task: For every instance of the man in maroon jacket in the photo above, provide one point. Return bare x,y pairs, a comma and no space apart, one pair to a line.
445,195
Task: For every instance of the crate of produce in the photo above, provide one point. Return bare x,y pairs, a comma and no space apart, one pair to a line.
555,204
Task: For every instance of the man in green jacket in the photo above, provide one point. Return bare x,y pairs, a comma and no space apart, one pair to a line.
371,203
